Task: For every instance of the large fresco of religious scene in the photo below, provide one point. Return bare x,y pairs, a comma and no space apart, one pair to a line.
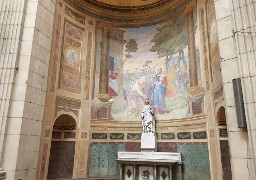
156,67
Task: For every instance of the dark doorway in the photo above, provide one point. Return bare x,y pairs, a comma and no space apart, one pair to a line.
61,162
224,146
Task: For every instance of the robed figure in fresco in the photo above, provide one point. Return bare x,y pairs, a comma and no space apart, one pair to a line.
147,118
158,86
135,98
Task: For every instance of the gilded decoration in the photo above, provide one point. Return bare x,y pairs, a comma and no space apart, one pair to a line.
223,132
193,129
74,15
205,49
55,54
88,65
144,13
213,41
68,105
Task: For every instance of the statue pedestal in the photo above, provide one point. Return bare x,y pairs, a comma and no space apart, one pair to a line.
148,142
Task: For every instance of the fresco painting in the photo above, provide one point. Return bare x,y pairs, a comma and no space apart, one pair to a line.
70,67
155,67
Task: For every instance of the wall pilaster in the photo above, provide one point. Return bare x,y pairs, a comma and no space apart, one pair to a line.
25,50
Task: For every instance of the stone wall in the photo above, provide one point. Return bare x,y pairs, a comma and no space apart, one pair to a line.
30,30
236,29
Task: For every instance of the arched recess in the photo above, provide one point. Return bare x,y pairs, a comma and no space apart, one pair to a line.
221,116
63,144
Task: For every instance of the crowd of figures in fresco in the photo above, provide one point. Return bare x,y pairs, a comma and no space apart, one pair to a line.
164,90
155,67
155,86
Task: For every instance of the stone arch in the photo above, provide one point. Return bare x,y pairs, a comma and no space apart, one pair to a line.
221,116
63,147
62,112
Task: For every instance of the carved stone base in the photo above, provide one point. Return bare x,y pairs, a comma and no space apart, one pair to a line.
148,142
103,97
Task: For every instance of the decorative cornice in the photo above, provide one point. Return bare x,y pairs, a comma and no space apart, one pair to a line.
142,16
128,8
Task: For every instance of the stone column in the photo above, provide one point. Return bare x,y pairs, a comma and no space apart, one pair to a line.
191,45
104,72
195,92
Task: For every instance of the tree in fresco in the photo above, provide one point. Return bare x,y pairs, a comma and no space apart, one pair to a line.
170,38
131,47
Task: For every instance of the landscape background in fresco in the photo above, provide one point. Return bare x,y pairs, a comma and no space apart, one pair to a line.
156,67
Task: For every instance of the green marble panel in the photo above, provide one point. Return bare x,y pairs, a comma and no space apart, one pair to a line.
112,157
195,159
103,159
94,160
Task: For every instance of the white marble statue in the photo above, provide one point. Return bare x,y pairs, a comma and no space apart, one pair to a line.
147,118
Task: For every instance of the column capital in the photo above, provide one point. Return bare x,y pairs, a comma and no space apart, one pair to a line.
190,7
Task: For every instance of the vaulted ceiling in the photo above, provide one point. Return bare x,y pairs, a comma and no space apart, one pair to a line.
127,3
130,12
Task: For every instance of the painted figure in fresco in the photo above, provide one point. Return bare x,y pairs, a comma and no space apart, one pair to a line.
113,84
147,118
171,80
158,86
182,78
135,98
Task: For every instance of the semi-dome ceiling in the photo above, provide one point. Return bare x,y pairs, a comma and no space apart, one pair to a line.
126,3
130,12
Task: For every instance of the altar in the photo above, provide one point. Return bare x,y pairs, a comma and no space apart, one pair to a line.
149,166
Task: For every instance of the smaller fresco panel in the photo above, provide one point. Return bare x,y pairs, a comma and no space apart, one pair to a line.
99,135
71,52
133,136
200,135
168,136
184,135
116,136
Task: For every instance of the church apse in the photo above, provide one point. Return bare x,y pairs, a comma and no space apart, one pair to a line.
127,65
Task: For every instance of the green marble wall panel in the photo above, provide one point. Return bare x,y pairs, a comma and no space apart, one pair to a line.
103,154
94,159
103,159
195,159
